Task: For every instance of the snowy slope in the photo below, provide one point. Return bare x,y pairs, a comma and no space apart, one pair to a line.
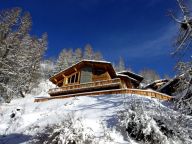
31,117
93,110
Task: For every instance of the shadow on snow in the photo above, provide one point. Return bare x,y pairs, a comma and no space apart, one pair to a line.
14,138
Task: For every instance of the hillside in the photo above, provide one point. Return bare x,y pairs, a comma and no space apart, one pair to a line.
22,119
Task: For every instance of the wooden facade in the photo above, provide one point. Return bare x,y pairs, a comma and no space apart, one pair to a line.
84,72
90,77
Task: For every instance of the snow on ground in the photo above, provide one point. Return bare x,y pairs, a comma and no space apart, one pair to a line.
94,110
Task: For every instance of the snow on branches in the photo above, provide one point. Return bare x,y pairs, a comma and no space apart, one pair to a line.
20,53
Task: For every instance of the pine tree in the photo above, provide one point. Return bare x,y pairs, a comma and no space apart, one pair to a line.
62,61
70,57
121,65
149,75
78,56
98,56
88,52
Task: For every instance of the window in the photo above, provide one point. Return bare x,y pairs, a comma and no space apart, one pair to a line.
73,78
76,77
99,71
86,75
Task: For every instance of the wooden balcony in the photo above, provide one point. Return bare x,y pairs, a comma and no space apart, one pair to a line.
86,87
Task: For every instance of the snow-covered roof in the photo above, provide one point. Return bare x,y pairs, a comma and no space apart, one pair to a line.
132,75
155,82
97,61
168,83
122,75
160,80
124,71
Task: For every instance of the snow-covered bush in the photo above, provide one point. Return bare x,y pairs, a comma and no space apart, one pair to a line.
69,131
183,101
145,124
42,88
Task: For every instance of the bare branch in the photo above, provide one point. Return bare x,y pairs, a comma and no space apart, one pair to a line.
173,17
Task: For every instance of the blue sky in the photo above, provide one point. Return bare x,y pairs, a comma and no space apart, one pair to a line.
140,31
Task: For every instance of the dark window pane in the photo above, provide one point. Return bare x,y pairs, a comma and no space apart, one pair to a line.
73,79
77,76
98,71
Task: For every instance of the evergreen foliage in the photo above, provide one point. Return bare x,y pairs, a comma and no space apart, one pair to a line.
68,57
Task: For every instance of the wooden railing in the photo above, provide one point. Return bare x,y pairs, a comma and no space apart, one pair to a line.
147,93
150,93
85,85
64,92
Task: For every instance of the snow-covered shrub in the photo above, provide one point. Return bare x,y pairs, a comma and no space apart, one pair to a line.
106,136
183,101
69,131
143,128
148,125
42,88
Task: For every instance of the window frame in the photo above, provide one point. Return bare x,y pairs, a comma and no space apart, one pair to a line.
71,80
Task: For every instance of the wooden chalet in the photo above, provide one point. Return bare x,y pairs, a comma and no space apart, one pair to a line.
89,77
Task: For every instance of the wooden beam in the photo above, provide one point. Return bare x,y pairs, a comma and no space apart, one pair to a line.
64,81
59,82
75,69
105,67
55,80
79,76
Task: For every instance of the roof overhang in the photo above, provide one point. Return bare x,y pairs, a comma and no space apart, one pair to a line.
132,75
127,77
